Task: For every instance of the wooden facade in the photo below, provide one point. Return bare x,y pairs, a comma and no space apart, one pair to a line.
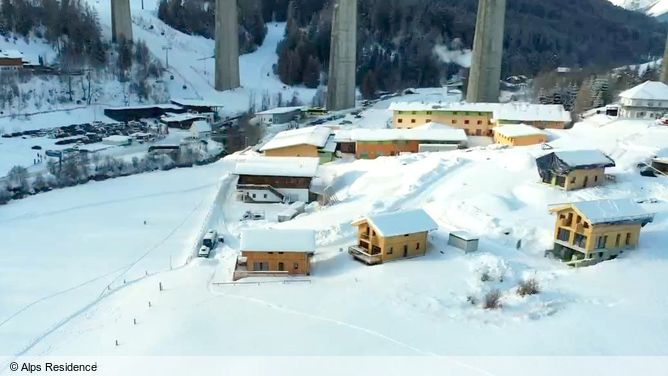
579,242
373,248
276,181
524,140
578,179
291,263
294,151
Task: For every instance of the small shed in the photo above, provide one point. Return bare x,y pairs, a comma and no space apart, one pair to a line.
463,240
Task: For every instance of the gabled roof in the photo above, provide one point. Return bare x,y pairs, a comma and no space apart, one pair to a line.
11,54
315,136
400,223
584,158
278,240
278,166
609,211
527,112
518,130
647,90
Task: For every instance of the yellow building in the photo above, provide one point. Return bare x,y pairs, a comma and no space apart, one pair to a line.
518,135
315,142
275,253
589,232
391,236
574,169
479,119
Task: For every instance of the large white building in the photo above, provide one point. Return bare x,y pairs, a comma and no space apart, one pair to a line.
648,100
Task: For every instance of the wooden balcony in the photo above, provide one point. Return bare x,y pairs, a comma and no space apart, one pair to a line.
362,254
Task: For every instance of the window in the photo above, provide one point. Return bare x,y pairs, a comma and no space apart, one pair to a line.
585,225
295,266
563,235
400,121
417,246
601,242
628,238
573,180
454,121
596,178
413,112
265,195
466,121
580,240
412,121
428,112
479,122
618,240
428,120
390,251
280,253
281,267
253,195
579,219
271,253
406,234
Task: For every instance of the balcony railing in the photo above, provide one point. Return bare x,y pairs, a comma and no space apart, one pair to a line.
363,255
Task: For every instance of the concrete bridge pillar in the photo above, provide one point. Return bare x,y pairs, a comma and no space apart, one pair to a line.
341,89
227,45
121,20
485,73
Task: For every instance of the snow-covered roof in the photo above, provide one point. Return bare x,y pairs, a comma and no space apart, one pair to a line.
278,166
196,103
162,106
117,138
518,130
400,223
277,240
582,158
512,111
464,235
443,106
200,126
316,136
527,112
10,54
415,134
280,110
168,118
433,125
611,211
647,90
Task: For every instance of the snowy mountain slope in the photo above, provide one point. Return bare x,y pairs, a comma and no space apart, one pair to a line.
411,307
654,8
191,60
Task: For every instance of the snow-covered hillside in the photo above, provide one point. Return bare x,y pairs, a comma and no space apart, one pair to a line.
654,8
414,307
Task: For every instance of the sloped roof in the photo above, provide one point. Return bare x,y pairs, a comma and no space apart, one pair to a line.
278,240
518,130
415,134
584,158
11,54
316,136
647,90
278,166
400,223
196,103
610,211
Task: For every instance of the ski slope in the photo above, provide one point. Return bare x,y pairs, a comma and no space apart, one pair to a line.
192,64
413,307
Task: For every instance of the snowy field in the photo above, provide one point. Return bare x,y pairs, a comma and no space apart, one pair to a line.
60,250
413,307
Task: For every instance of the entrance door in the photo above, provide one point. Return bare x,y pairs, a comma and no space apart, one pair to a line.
406,251
585,181
561,181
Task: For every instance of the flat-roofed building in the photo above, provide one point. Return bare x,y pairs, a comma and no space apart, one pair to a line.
316,142
519,135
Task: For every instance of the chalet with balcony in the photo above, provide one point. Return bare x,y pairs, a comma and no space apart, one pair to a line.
275,253
574,169
589,232
276,179
392,236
